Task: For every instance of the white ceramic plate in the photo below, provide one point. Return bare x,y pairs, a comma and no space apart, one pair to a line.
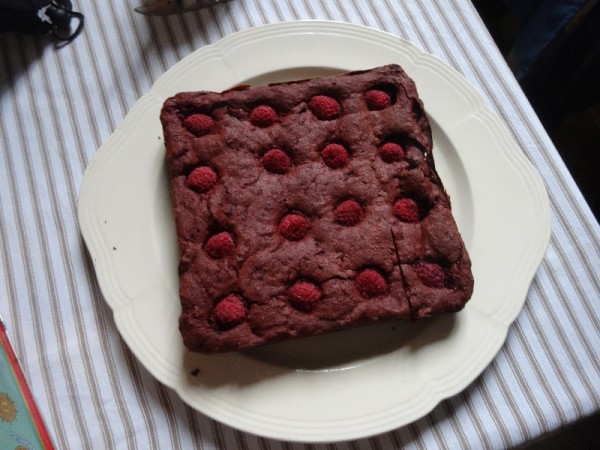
344,385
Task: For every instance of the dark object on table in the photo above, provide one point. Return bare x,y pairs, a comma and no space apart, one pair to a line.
565,77
554,49
308,207
41,17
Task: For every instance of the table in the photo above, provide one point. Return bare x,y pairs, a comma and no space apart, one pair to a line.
59,106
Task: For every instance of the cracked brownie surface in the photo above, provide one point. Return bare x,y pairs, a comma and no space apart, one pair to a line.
308,207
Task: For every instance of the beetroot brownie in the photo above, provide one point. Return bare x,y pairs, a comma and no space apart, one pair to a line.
307,207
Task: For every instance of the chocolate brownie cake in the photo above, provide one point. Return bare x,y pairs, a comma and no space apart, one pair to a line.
308,207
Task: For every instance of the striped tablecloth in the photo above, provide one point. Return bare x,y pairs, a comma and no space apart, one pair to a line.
59,105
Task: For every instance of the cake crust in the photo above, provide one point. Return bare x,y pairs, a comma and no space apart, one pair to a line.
308,207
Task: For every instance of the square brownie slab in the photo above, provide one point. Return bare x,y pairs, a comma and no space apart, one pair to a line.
308,207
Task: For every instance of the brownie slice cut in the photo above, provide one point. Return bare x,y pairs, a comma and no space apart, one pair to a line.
308,207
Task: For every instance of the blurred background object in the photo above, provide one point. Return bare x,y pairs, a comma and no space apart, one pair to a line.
55,17
168,7
553,48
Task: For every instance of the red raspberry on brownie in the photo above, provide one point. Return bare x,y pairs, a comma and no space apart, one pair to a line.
325,107
407,210
370,283
277,161
219,245
199,124
377,99
263,116
293,227
335,156
230,311
348,213
201,179
431,274
304,294
391,152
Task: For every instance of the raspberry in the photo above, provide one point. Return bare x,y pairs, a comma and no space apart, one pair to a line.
324,107
293,227
230,311
407,210
391,152
370,283
263,116
431,274
376,99
348,213
304,294
219,245
335,156
277,161
199,124
202,179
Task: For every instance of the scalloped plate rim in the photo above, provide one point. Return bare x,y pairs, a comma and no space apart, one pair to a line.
101,258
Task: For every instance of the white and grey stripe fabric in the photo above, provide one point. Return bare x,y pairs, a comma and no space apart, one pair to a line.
59,105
